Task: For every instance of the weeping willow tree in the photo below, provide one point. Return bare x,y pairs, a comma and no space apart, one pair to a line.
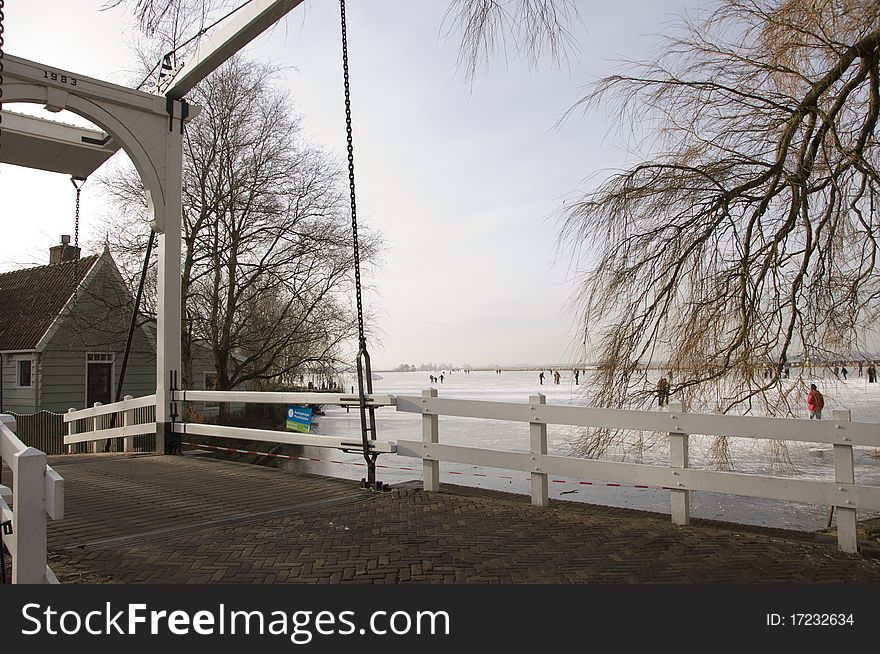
748,239
531,28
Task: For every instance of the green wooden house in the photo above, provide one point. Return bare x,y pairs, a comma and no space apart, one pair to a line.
63,329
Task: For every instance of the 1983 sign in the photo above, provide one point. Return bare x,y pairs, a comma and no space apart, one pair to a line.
58,77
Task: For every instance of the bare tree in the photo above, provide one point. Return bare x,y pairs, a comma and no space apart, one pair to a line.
267,265
529,28
750,240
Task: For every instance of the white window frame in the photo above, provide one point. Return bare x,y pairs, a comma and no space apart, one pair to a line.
18,361
99,357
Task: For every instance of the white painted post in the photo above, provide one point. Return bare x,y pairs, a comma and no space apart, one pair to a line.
29,517
128,419
71,430
97,423
844,473
538,445
430,434
680,500
167,211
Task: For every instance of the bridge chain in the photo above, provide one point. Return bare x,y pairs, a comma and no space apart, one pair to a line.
364,371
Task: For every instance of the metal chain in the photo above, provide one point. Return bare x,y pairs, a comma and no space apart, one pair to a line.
76,225
364,371
354,227
2,17
77,184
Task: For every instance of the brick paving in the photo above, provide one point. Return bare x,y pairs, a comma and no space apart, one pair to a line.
150,519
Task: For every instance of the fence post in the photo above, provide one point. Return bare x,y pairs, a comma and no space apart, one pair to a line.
680,499
847,536
71,430
538,445
29,517
97,423
127,420
430,434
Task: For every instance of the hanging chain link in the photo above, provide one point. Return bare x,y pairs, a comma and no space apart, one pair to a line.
364,371
76,224
77,184
2,17
354,226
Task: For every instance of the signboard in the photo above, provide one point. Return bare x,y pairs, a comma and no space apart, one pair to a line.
299,418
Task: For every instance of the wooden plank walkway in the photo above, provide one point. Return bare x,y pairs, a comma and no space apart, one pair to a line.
117,499
192,519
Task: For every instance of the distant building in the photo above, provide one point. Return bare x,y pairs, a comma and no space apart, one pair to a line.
63,329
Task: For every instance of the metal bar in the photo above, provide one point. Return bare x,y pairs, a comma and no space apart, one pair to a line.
134,314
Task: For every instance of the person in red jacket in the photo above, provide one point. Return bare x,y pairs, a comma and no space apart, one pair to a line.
815,402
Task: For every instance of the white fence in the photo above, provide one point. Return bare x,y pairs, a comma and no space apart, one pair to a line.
98,419
37,492
95,424
289,438
842,493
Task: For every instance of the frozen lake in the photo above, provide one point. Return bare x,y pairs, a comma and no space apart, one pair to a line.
750,456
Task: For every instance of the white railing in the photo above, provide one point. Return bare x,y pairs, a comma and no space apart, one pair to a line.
260,397
99,420
272,436
37,491
842,493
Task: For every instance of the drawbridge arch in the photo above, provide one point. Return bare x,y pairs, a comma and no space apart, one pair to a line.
149,129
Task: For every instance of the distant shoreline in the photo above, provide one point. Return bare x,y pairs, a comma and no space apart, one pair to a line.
586,366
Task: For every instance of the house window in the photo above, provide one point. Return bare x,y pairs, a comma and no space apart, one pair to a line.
211,385
25,376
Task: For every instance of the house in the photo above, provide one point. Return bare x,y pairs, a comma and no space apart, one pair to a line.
63,329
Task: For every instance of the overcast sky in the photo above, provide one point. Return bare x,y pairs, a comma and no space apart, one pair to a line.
464,180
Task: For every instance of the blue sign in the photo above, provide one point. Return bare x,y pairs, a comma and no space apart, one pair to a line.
299,419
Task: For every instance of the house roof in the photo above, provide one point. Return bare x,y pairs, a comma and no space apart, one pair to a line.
31,299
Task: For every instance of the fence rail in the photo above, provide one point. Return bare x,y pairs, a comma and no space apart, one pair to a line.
837,432
259,397
129,425
37,493
842,493
273,436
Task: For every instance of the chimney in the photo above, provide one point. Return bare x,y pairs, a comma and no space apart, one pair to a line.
64,252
